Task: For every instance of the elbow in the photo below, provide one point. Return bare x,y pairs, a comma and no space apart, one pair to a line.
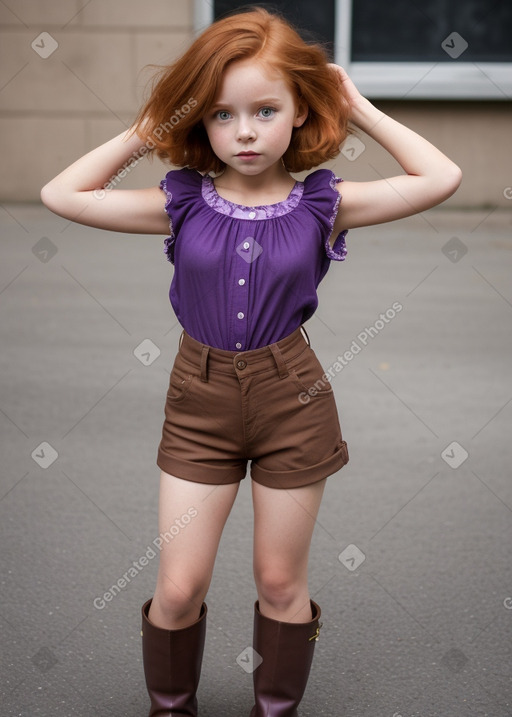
52,198
46,195
451,180
43,194
456,177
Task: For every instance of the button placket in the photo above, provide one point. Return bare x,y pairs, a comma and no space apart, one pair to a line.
248,249
241,294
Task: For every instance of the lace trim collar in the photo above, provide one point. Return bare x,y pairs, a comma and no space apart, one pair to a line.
239,211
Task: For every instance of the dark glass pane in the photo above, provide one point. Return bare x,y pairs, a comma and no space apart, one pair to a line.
313,20
432,31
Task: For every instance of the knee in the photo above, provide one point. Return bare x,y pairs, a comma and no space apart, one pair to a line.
179,597
277,587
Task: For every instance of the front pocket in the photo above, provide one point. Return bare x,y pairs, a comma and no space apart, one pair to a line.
309,376
179,385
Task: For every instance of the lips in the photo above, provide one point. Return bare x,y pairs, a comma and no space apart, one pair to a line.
247,154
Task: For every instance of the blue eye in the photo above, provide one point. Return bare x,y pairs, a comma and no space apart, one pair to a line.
223,115
267,112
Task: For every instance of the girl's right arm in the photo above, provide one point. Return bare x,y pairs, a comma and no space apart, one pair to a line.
80,193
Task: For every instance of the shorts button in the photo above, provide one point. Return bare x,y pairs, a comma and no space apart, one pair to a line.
241,364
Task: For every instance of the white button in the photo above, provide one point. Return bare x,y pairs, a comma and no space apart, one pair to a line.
252,215
241,282
240,315
246,245
238,345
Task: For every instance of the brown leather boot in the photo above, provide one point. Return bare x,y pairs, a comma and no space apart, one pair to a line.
287,651
172,665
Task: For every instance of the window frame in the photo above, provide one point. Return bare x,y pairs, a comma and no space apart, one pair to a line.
419,80
403,80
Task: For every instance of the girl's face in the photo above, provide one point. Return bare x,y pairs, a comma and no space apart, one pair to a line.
251,122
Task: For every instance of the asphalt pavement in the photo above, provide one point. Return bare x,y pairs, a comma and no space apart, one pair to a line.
410,560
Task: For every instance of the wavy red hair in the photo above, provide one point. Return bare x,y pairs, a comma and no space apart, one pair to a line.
182,93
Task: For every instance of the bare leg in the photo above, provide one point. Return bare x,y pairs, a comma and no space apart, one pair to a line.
283,527
192,516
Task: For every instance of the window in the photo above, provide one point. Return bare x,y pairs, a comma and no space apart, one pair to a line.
407,49
314,20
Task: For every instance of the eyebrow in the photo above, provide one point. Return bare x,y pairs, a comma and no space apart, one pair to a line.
257,102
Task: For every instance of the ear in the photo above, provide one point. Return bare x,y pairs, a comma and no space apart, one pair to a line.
301,113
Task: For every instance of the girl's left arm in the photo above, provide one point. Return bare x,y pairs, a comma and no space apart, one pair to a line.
430,176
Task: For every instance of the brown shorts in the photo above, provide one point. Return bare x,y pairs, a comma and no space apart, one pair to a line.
269,405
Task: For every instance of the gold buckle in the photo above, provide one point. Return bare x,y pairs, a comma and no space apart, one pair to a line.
317,633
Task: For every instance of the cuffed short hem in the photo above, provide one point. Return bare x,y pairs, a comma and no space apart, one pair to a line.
303,476
224,475
201,472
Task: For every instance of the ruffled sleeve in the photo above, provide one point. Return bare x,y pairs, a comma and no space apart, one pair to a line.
170,240
182,188
323,200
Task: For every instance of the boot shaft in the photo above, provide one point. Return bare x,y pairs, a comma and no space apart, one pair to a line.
172,665
287,651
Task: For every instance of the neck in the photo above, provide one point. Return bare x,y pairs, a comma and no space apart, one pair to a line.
272,179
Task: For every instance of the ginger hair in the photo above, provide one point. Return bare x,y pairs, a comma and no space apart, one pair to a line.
182,93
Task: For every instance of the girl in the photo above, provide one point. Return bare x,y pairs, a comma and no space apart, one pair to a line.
249,245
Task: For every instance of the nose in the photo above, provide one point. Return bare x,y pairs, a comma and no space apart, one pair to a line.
245,129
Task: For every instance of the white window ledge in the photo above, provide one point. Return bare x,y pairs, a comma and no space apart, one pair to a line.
423,80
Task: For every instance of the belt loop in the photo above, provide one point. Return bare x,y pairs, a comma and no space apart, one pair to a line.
204,363
305,332
280,362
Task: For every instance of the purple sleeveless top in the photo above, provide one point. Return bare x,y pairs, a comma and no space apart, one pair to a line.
245,277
